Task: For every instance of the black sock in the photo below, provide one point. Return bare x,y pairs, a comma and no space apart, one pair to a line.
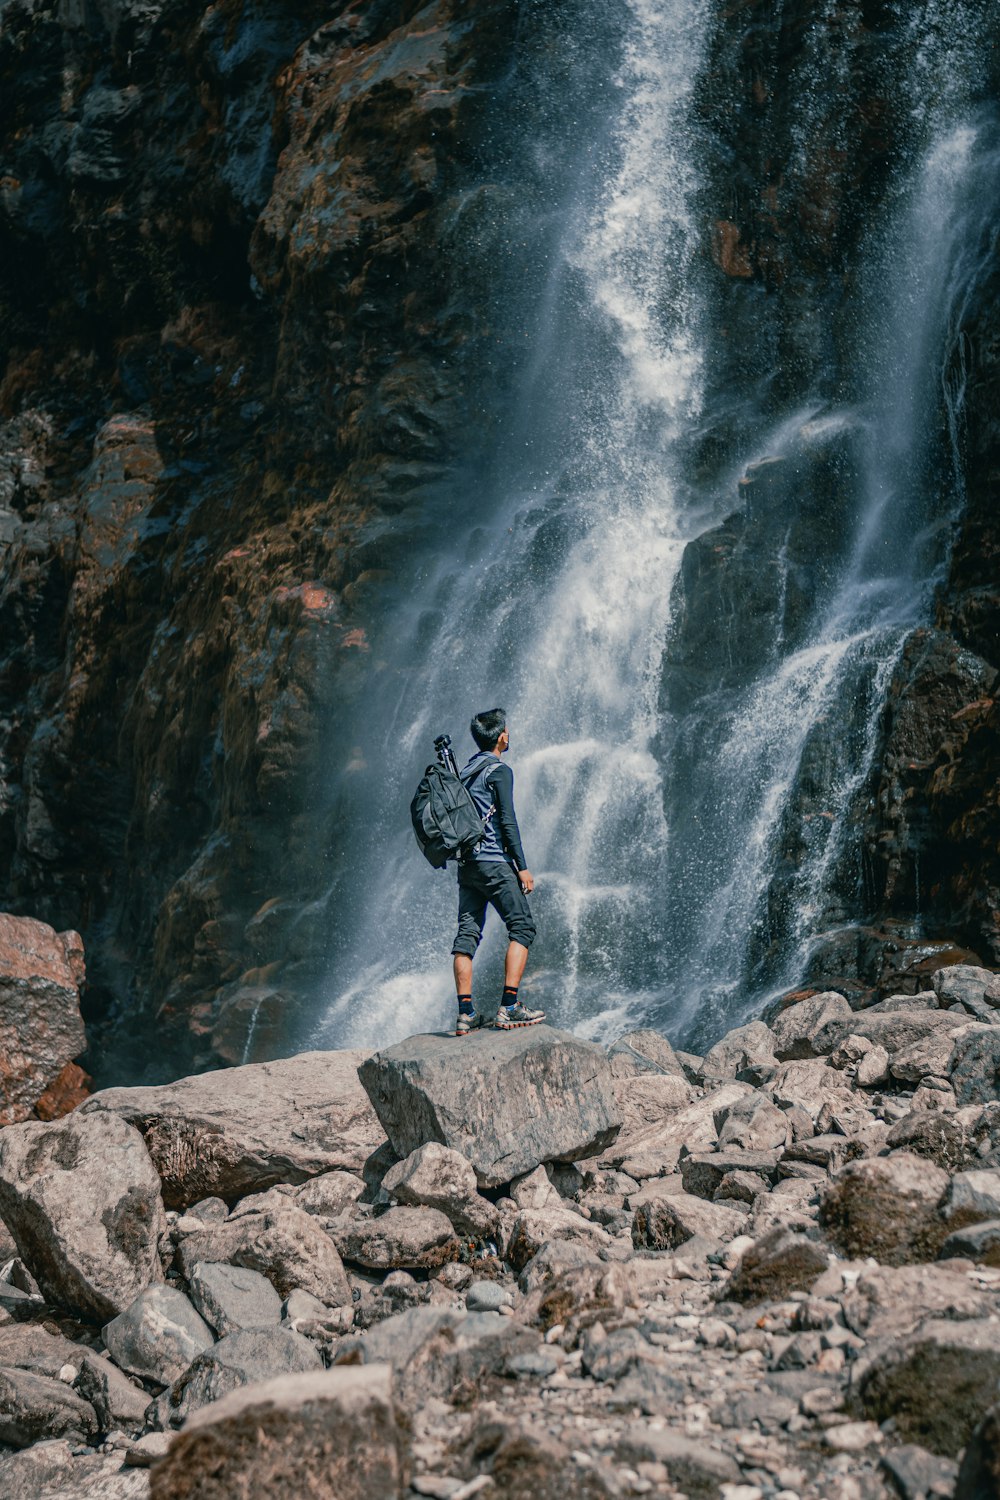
465,1005
509,997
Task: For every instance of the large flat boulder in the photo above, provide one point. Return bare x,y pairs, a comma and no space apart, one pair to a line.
241,1130
506,1101
82,1200
41,1029
327,1432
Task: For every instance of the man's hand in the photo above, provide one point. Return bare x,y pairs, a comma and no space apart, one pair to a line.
527,881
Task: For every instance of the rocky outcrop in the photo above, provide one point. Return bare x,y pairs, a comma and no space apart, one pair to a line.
41,1028
517,1100
283,1121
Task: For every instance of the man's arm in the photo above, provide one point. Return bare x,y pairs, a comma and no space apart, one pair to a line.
501,782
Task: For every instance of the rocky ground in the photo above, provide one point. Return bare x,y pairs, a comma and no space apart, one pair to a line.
520,1263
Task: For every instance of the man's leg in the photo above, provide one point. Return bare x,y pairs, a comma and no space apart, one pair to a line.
512,904
463,975
517,957
471,916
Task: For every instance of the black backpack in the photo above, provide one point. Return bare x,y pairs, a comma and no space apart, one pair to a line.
445,818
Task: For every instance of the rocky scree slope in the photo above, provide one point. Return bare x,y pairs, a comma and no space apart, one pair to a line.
765,1273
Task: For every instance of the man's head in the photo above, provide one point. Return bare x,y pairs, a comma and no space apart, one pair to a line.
488,727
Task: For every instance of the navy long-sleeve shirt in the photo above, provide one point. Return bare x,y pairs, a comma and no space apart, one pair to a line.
491,785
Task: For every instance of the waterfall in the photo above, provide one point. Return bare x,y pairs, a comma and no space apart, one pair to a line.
658,834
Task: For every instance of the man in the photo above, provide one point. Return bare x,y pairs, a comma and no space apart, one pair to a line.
496,874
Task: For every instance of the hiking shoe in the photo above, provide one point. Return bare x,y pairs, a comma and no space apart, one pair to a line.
517,1015
466,1023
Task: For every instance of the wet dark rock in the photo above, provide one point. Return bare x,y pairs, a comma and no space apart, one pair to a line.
41,1028
886,1207
511,1101
230,1133
974,1068
158,1335
82,1199
937,1383
331,1430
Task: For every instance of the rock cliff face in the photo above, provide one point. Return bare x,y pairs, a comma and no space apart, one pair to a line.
234,355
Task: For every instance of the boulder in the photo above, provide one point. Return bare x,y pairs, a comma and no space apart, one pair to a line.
753,1123
667,1223
233,1297
36,1407
974,1066
943,1138
53,1470
928,1057
329,1194
978,1242
694,1466
158,1335
888,1301
873,1068
658,1143
239,1359
443,1351
120,1405
639,1052
327,1432
286,1245
240,1130
534,1228
82,1200
534,1190
434,1176
703,1174
797,1027
506,1101
919,1475
27,1346
41,1029
979,1472
893,1029
518,1458
972,1197
886,1207
778,1263
402,1238
745,1047
960,984
810,1084
646,1103
937,1383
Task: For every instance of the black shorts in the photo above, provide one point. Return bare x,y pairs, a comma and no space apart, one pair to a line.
490,883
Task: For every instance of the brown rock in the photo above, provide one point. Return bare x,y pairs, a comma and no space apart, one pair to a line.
41,1028
886,1207
64,1093
332,1432
779,1263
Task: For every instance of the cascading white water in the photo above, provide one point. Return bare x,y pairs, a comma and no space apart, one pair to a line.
560,614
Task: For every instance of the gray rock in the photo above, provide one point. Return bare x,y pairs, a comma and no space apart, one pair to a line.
329,1194
434,1176
158,1335
702,1174
797,1027
35,1407
487,1296
946,1139
52,1470
326,1432
148,1450
434,1350
402,1238
747,1046
120,1405
778,1263
648,1146
233,1297
287,1246
960,983
639,1052
245,1358
893,1029
614,1355
210,1210
888,1301
972,1197
927,1057
978,1242
979,1473
937,1383
532,1229
533,1191
753,1123
667,1223
974,1067
240,1130
555,1257
886,1207
82,1200
511,1101
694,1466
26,1346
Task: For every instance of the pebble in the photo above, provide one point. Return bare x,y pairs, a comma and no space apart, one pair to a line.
487,1296
852,1437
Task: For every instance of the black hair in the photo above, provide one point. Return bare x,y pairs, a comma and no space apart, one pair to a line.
487,727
